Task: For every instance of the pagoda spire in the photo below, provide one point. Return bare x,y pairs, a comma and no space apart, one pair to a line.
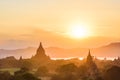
89,53
92,70
20,58
89,57
40,46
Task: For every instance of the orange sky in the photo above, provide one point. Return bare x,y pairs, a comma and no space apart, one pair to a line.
26,22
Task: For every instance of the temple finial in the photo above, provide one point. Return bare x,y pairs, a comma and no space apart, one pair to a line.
89,53
40,45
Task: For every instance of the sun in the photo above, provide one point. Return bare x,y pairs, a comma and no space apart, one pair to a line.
79,31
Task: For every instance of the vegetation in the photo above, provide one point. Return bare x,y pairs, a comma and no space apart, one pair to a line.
42,71
66,72
11,70
22,74
113,73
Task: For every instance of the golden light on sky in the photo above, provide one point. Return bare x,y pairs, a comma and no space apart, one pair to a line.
79,31
24,22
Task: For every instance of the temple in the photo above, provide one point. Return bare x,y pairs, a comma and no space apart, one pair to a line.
40,54
92,72
89,58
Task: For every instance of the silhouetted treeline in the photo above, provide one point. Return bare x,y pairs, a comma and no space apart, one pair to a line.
22,74
64,72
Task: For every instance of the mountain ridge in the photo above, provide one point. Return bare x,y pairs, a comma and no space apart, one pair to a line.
110,50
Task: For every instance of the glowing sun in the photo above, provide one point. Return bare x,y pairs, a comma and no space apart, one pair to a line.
79,31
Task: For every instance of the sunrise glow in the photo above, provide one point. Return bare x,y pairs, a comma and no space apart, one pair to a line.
79,31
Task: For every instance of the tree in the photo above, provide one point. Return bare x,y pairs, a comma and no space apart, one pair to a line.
22,71
27,64
64,77
42,71
66,72
113,73
5,75
68,68
23,74
56,77
29,76
82,72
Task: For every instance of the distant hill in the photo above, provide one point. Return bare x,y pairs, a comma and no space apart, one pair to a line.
26,52
111,50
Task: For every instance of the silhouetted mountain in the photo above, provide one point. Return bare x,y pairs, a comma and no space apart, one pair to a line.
111,50
26,52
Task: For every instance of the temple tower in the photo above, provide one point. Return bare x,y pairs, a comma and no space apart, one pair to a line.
40,54
92,70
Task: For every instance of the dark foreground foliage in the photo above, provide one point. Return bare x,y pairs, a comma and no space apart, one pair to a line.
65,72
22,74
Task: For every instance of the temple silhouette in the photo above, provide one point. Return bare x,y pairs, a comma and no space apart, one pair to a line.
40,57
92,69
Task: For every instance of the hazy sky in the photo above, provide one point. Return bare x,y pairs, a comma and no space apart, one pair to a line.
26,22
